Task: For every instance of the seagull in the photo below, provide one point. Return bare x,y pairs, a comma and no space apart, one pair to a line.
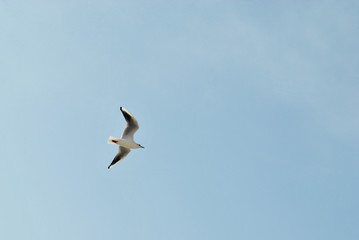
126,143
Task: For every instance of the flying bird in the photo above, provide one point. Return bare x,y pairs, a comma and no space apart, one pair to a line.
126,143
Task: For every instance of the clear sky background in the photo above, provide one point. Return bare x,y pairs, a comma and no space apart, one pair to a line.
248,112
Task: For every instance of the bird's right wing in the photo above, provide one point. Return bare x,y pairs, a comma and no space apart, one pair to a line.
132,124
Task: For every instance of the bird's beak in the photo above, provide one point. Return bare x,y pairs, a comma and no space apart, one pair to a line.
142,146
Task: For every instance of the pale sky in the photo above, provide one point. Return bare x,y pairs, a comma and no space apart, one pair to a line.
248,112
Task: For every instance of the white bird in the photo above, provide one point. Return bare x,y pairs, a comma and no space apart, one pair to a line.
126,143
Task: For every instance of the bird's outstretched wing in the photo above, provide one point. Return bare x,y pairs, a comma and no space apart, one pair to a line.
132,125
122,153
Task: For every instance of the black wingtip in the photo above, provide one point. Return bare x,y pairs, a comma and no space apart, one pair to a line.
126,115
108,167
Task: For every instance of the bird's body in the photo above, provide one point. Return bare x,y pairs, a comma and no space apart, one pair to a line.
123,143
126,142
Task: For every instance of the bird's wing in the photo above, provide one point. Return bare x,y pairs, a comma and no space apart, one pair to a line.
132,125
122,153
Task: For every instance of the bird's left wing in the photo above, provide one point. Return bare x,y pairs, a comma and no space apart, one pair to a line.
122,153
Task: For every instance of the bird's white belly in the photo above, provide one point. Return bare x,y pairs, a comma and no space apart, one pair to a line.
127,144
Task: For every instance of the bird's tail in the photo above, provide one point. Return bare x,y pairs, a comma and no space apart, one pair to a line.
112,140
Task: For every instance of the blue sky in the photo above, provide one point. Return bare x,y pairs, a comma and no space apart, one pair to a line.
248,112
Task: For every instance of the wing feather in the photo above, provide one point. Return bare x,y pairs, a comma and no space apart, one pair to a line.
122,153
132,125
